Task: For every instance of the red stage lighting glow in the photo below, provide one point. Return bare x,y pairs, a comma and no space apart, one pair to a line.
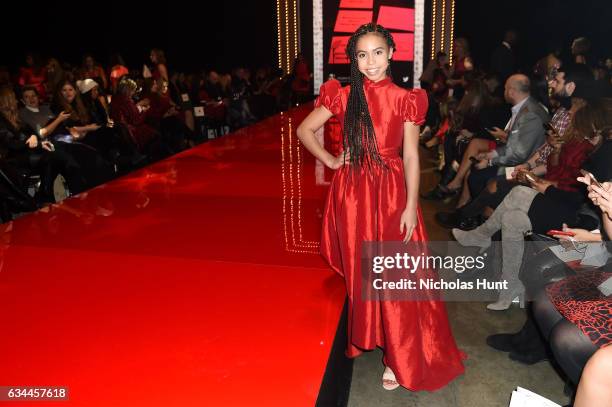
357,4
396,18
337,51
349,20
405,46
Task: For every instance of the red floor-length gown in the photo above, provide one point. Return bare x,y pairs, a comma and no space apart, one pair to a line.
366,205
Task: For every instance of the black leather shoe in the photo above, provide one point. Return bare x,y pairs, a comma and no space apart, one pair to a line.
448,220
470,223
439,193
503,342
435,194
529,357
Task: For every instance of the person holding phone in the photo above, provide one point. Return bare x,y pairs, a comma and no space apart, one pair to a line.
545,205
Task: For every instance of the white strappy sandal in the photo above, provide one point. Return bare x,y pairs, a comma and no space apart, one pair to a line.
389,381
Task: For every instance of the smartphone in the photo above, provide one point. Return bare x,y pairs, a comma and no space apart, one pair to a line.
49,144
554,232
593,179
530,177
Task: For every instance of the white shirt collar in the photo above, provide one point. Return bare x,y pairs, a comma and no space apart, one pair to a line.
33,109
517,108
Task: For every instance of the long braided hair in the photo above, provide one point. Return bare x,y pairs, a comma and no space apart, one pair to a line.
359,135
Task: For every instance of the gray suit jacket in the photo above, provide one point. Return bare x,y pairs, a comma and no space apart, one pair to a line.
525,136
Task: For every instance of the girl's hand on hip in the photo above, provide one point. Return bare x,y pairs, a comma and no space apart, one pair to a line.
342,159
408,222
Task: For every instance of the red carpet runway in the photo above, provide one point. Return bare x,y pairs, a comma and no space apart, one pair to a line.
193,282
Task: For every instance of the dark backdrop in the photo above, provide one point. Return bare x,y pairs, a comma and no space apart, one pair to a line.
222,35
542,24
203,34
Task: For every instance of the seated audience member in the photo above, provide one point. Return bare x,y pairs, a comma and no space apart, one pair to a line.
239,113
573,314
105,138
477,111
13,195
581,47
32,74
264,102
55,74
447,113
563,85
92,70
435,75
33,114
544,205
527,345
215,99
522,135
546,65
76,135
125,111
23,150
463,65
117,71
5,77
595,387
160,67
165,115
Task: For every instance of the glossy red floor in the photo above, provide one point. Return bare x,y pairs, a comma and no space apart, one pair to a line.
193,282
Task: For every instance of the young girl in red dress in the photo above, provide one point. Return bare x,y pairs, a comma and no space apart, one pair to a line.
373,197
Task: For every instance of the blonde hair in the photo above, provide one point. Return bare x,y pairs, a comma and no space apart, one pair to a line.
9,106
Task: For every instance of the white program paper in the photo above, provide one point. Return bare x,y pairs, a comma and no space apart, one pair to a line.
524,398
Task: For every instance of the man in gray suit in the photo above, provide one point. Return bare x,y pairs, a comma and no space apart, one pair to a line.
523,134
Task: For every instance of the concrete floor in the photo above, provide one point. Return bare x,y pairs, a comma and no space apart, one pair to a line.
490,375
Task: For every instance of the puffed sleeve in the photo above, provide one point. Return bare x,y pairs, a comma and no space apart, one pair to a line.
415,106
329,96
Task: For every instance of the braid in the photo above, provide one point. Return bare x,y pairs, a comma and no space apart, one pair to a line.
359,136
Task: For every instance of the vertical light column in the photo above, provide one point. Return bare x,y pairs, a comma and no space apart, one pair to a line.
287,15
419,26
442,27
452,32
317,43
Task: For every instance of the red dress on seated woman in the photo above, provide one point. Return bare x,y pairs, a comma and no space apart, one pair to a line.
365,204
124,110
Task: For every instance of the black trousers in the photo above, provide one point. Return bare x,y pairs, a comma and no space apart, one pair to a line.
477,180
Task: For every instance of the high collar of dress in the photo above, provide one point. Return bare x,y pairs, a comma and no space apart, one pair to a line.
371,84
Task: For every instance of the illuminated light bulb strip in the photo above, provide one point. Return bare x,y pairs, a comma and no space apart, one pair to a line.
284,182
287,43
288,208
443,23
433,29
291,188
278,34
300,153
298,150
295,34
452,31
